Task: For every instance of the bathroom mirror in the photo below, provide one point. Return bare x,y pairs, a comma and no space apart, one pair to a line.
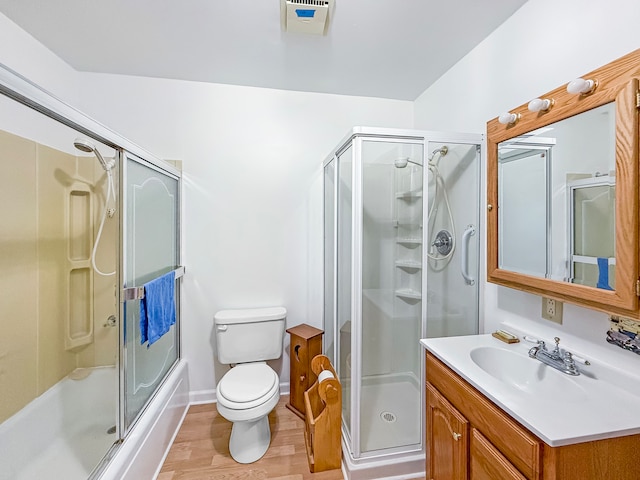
562,194
554,215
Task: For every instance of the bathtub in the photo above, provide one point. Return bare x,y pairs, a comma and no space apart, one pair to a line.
64,432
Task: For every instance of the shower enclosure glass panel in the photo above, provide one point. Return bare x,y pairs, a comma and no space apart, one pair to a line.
344,248
151,250
58,347
391,294
453,206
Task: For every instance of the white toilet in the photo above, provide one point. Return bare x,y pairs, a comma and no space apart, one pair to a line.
251,389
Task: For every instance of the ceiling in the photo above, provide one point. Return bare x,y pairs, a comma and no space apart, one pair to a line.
376,48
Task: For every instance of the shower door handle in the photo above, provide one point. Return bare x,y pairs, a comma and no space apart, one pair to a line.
464,267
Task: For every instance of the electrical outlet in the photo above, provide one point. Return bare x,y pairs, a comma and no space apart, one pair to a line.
552,310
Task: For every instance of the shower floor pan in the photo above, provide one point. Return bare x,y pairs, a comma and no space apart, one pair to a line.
390,412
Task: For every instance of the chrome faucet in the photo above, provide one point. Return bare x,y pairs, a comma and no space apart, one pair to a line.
557,358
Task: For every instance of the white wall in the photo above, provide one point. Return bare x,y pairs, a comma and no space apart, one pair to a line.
544,44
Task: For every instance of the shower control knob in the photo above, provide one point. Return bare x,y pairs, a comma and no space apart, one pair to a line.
443,242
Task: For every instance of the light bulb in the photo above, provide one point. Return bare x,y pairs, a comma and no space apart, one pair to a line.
508,118
539,105
581,86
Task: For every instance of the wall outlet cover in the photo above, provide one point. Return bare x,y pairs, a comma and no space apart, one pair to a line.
552,310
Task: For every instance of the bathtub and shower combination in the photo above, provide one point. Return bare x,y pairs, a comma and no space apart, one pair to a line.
92,218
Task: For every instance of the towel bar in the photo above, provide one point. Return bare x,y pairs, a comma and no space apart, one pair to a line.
137,293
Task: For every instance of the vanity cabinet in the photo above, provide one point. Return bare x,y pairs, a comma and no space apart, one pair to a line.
468,436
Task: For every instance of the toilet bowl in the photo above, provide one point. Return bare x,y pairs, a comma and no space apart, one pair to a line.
250,390
246,395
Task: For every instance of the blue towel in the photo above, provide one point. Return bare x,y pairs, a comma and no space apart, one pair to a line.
603,274
157,308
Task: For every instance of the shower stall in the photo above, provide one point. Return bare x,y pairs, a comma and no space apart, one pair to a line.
88,219
401,246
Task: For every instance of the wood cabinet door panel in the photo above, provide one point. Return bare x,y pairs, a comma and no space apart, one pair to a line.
447,439
487,463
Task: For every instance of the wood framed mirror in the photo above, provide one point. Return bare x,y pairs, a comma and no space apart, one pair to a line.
563,192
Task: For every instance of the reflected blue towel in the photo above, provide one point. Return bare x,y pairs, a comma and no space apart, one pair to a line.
603,274
157,308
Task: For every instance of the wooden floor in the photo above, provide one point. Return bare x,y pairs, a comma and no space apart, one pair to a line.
201,449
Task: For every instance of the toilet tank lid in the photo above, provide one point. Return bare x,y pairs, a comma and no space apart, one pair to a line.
246,315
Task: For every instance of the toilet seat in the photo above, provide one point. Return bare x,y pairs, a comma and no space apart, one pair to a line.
247,386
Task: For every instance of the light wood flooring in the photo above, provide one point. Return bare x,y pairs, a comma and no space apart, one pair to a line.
201,450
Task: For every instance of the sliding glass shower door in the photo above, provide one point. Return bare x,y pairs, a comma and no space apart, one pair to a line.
151,249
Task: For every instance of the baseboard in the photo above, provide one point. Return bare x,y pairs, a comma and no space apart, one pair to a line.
202,396
199,397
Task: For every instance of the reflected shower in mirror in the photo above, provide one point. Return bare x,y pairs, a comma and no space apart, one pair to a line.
556,200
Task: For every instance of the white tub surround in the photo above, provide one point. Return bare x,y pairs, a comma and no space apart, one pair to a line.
600,403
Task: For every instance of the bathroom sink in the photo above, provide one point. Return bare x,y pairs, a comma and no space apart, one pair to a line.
526,374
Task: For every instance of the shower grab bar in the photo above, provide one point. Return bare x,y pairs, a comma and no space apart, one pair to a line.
464,267
137,293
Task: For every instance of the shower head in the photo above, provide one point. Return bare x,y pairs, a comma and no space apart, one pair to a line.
86,146
403,162
442,151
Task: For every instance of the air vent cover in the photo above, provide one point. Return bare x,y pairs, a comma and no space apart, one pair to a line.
305,16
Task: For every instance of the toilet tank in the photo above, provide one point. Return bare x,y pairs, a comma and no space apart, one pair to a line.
249,335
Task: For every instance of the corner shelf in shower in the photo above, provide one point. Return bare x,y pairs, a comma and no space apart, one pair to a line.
409,195
409,242
409,264
409,294
408,225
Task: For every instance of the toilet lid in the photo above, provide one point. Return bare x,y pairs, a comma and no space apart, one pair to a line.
247,382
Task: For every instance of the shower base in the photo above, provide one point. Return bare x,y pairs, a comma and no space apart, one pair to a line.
390,412
390,429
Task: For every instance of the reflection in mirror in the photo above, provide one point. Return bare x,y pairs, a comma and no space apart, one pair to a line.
556,197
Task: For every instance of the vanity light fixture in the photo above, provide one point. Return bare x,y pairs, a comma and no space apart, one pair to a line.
508,118
580,86
540,104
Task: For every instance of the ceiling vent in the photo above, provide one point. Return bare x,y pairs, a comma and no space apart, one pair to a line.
305,16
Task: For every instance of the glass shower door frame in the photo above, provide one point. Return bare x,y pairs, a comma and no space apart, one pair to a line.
166,170
356,286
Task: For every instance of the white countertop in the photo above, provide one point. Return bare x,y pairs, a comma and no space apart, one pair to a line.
600,403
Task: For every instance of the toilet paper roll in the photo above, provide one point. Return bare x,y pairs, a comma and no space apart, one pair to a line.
324,375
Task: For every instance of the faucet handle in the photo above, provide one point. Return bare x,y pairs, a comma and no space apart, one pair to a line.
557,340
581,360
529,339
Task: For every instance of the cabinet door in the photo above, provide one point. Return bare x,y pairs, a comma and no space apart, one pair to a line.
487,463
447,439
